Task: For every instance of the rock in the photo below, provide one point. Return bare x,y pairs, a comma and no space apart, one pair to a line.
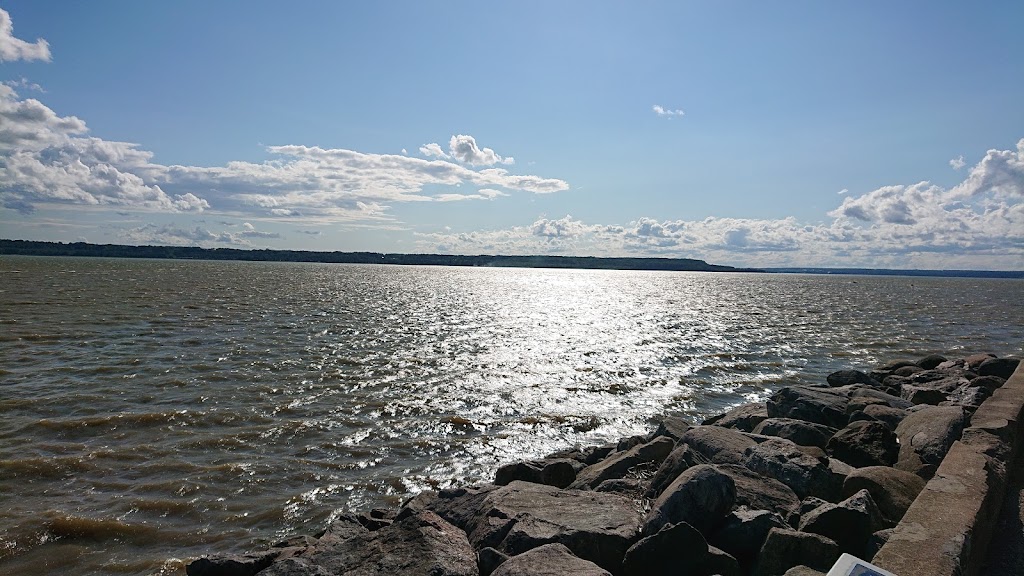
672,427
700,496
744,531
230,564
797,431
625,486
847,377
970,397
717,444
974,361
785,462
926,435
864,443
999,367
342,528
819,405
743,417
423,543
627,443
863,396
559,472
619,464
810,503
460,506
760,492
907,370
784,549
892,490
678,460
887,415
895,365
595,526
295,566
720,563
548,560
849,523
923,395
488,560
803,571
931,361
875,543
675,549
989,382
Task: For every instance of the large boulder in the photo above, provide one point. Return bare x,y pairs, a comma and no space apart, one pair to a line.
672,427
619,464
744,531
422,543
820,405
796,431
892,490
681,458
786,462
847,377
700,496
926,435
784,549
864,443
560,472
887,415
718,445
743,417
760,492
230,564
674,550
595,526
720,563
849,523
548,560
862,396
1001,367
931,361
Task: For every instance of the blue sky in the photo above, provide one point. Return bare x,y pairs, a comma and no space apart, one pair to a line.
748,133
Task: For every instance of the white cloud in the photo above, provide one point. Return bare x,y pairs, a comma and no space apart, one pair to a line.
843,191
957,163
47,158
25,84
433,150
666,112
464,149
12,49
1000,172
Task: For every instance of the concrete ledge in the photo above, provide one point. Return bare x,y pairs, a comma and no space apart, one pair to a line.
947,529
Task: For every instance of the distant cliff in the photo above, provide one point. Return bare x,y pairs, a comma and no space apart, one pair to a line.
33,248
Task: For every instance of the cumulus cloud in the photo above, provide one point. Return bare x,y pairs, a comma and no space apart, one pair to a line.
666,112
12,49
464,149
1000,172
957,163
48,158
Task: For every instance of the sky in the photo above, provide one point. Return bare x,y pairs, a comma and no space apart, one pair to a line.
796,133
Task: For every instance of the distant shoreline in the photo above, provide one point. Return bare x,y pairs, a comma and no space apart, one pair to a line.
38,248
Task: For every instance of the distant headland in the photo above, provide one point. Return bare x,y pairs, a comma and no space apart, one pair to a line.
37,248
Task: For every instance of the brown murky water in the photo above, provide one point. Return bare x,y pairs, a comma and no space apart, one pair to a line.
153,411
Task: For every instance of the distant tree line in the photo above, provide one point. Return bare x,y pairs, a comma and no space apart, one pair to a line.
34,248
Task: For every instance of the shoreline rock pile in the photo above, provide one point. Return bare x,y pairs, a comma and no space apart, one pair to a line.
781,487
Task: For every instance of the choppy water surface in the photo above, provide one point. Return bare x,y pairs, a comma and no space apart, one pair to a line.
151,411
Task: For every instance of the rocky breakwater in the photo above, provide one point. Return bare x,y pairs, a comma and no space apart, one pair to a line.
775,488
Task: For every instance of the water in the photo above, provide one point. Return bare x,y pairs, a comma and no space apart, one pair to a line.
154,411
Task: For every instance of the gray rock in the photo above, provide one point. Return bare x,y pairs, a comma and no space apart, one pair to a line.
630,487
887,415
700,496
931,361
970,397
720,563
230,564
681,458
819,405
717,444
926,435
862,396
864,443
849,523
810,503
295,567
803,571
423,543
460,506
989,382
999,367
784,461
875,543
975,361
923,394
627,443
744,531
673,427
675,549
548,560
488,560
743,417
760,492
892,490
907,370
847,377
784,549
619,464
595,526
342,528
560,472
796,431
